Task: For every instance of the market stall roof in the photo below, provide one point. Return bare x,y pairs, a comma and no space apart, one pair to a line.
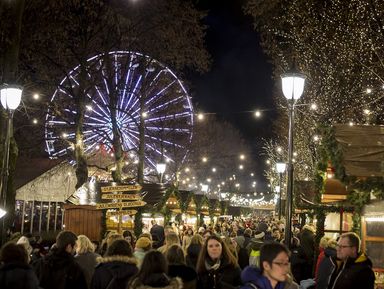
362,148
44,180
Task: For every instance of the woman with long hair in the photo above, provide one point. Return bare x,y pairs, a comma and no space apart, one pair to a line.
217,268
178,268
187,238
170,239
86,257
153,274
193,250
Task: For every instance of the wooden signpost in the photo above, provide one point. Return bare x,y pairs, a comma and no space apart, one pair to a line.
122,196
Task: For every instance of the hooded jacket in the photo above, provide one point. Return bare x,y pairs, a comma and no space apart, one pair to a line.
15,275
325,269
187,274
354,273
59,270
113,272
158,281
252,278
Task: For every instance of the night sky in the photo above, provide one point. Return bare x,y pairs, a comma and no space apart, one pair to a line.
240,79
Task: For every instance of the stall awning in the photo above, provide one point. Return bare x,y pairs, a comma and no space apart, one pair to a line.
363,149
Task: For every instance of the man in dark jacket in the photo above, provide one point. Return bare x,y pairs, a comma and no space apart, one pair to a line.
352,270
157,233
59,270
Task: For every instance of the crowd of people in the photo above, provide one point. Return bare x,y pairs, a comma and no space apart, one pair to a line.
244,254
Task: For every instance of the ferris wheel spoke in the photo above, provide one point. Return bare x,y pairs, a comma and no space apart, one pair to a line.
169,129
167,104
133,95
163,141
168,117
159,93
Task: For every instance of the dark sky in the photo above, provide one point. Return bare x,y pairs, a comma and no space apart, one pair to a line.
240,78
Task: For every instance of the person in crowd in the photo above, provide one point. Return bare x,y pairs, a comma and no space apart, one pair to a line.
130,237
178,268
324,269
187,237
273,272
276,236
307,243
15,271
25,242
116,268
153,274
232,245
297,259
253,248
59,270
143,245
193,250
242,242
112,237
355,269
86,257
217,267
207,233
170,239
323,244
201,231
158,234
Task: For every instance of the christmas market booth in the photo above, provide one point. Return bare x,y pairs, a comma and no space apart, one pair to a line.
350,182
42,187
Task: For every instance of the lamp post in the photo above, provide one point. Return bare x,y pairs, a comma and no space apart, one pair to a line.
10,96
160,167
280,168
293,87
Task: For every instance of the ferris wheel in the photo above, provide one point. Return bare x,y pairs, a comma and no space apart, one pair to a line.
134,86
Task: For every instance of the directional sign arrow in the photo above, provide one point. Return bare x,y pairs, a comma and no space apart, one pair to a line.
131,204
133,197
123,188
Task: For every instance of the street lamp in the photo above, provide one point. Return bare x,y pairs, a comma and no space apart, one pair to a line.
10,96
160,167
280,168
293,87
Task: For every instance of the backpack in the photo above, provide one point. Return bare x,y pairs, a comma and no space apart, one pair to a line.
254,258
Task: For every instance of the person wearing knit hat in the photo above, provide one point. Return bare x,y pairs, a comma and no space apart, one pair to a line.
143,245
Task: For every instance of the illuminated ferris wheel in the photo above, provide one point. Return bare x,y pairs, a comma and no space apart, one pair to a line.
134,86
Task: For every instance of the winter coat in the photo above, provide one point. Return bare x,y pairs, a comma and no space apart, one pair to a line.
59,270
187,274
157,233
226,276
298,263
325,269
307,244
252,278
87,262
353,274
139,254
158,281
113,272
193,252
18,276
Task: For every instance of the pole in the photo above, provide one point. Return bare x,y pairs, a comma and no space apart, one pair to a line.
288,217
281,188
5,174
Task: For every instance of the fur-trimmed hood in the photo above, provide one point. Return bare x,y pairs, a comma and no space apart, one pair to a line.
117,258
174,283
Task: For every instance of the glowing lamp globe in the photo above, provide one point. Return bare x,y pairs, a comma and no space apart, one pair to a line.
10,96
280,167
293,84
160,167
